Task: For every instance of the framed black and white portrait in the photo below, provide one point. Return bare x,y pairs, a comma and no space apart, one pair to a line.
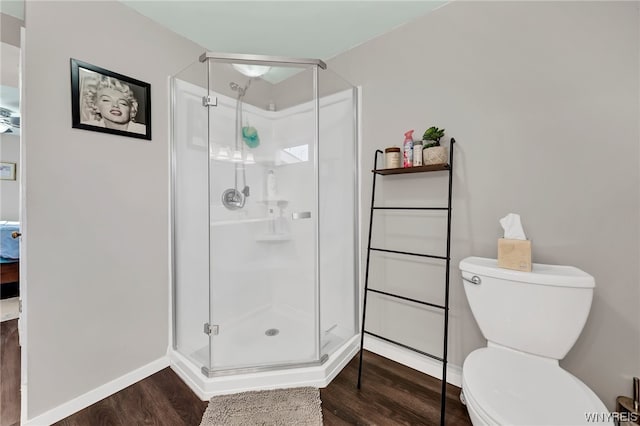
105,101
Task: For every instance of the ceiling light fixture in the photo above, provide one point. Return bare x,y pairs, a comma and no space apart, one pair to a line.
252,70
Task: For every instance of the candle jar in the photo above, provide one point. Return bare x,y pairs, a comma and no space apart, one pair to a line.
392,157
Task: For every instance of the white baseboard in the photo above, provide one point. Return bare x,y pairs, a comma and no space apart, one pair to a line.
68,408
413,359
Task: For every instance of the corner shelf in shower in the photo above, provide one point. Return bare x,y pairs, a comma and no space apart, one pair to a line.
240,221
446,258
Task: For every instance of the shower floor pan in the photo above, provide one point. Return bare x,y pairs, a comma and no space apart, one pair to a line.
268,337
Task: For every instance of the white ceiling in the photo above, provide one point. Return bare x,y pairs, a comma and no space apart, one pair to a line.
14,8
299,29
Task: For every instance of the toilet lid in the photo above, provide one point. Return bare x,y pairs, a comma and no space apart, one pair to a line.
512,388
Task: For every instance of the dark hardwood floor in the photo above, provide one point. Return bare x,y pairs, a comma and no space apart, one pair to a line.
9,374
391,394
160,399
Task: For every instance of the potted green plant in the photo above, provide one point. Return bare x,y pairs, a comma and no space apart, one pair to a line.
433,152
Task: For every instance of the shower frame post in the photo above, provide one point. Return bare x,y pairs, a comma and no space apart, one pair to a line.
316,177
209,287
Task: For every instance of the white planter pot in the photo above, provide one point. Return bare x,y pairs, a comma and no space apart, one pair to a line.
435,155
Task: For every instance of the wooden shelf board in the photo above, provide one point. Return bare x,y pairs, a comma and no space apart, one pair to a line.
416,169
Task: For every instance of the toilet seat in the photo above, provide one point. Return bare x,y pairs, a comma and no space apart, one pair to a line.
506,387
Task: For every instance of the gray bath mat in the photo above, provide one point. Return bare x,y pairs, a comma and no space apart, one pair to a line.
296,406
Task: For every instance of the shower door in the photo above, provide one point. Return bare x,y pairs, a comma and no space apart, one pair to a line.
263,206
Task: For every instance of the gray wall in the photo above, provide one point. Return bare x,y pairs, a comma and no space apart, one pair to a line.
10,189
543,101
10,29
97,204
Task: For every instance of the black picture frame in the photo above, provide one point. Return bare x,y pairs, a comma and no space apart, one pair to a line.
108,112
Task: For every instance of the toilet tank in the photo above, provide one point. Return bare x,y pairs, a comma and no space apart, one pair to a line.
541,312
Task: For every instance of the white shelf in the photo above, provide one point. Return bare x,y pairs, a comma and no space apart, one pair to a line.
239,221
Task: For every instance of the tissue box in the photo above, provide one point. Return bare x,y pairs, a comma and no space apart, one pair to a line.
514,254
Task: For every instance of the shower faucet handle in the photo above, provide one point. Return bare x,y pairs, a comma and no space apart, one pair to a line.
300,215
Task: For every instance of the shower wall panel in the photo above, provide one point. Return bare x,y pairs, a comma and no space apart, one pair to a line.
338,198
191,254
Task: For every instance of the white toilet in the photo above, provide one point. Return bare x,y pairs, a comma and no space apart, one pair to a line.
530,320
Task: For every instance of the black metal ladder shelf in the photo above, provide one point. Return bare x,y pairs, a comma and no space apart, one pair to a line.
446,258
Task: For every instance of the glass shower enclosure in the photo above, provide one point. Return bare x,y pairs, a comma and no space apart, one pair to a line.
264,213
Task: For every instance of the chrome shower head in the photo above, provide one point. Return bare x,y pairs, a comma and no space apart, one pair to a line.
241,90
237,88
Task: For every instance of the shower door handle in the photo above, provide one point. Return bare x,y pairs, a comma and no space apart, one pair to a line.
300,215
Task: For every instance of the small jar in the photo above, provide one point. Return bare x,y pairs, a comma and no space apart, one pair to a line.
417,153
392,157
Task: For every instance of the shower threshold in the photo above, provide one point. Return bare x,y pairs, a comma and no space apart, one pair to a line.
315,374
265,368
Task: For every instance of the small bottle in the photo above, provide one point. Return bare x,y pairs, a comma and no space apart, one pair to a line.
392,157
417,153
408,149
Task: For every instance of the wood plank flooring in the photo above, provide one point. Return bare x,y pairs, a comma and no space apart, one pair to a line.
9,374
160,399
391,394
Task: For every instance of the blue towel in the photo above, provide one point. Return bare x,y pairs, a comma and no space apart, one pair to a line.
9,247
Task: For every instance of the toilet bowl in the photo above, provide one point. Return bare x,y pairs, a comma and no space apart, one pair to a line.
504,387
530,320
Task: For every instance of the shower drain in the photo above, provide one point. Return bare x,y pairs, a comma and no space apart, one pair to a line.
272,332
